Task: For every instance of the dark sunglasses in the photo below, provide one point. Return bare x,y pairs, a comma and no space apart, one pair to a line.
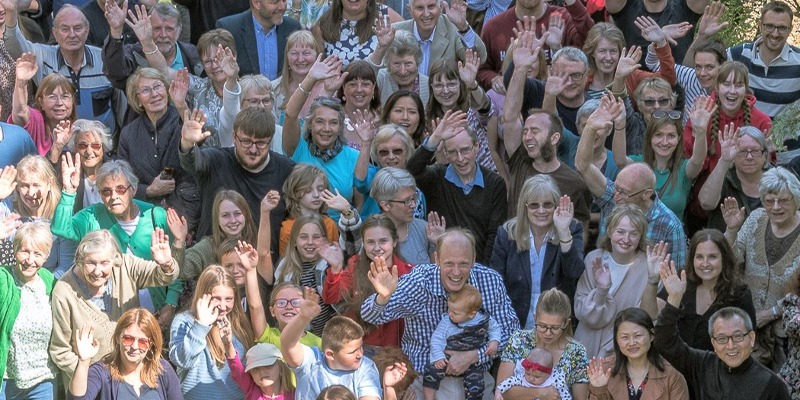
84,146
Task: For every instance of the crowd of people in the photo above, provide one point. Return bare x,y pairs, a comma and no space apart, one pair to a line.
422,199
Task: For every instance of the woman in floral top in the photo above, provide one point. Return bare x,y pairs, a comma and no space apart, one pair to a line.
553,333
790,307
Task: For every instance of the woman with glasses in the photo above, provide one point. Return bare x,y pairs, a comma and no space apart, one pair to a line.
540,248
552,332
90,140
637,371
131,222
100,287
767,241
48,122
254,91
133,369
662,152
616,277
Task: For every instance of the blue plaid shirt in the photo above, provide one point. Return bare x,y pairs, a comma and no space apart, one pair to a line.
662,224
421,300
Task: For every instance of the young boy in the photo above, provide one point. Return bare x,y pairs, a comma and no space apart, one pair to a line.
342,361
465,327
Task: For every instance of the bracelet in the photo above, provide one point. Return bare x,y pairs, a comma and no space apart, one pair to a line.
653,283
150,52
565,241
465,31
619,129
300,88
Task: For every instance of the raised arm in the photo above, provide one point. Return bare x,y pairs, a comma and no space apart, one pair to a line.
366,132
602,118
709,25
526,58
709,195
139,22
26,70
86,347
250,259
291,348
619,141
700,114
264,266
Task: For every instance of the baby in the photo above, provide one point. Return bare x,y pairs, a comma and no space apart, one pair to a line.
535,371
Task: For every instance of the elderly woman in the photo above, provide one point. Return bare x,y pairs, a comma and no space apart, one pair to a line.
540,248
767,242
390,147
90,142
405,108
54,101
552,332
25,289
131,222
738,173
133,368
99,288
636,365
402,68
301,52
397,196
251,91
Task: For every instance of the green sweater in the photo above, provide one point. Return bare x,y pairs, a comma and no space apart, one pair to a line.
96,216
9,307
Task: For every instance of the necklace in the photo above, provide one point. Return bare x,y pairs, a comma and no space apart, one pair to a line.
641,375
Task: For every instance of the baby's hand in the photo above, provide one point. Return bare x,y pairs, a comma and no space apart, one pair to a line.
492,348
498,395
441,364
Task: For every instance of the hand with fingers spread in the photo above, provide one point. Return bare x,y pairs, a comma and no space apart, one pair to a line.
526,53
192,131
247,255
674,284
556,83
456,12
628,61
364,126
325,68
676,31
524,24
555,29
225,331
26,67
335,200
700,114
160,251
179,88
63,134
712,22
436,227
309,307
383,30
468,70
270,201
562,217
733,215
383,279
178,227
332,253
8,181
655,256
139,22
729,143
70,173
207,311
598,376
86,346
115,16
651,31
227,62
449,126
332,84
605,115
9,225
601,273
393,374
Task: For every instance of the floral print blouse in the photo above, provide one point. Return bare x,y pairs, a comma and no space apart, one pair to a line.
573,362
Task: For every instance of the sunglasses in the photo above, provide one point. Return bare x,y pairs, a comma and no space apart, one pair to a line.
120,190
84,146
652,102
396,152
142,343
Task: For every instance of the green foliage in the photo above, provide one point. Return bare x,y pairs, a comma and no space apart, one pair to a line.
744,17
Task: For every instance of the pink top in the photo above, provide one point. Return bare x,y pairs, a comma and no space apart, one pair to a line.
249,388
36,129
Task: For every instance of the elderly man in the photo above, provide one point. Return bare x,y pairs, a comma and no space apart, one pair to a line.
125,58
731,373
441,36
421,299
464,193
260,34
96,99
635,184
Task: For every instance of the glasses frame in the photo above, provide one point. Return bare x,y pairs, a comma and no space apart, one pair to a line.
547,206
672,114
146,342
247,143
118,190
542,328
294,302
412,202
769,28
737,338
85,146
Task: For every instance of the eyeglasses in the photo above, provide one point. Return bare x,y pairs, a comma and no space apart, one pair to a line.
785,201
265,102
411,202
83,146
652,102
672,114
737,338
396,152
621,192
542,328
120,190
463,152
576,76
142,343
247,143
54,98
157,88
751,152
768,28
547,206
282,303
65,30
441,86
210,62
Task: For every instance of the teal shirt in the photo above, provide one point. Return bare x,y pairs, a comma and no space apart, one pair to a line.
178,62
675,196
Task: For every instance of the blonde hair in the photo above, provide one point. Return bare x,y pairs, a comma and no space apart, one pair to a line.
298,183
519,227
292,264
556,302
132,87
41,171
637,219
35,234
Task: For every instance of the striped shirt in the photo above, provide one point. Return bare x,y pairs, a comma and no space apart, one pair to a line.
774,85
687,78
421,300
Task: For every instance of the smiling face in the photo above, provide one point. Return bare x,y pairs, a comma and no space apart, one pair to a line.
211,66
119,205
97,268
308,238
396,210
539,142
455,258
665,141
286,314
446,91
33,191
233,264
731,353
136,352
707,262
780,25
152,93
57,106
540,209
576,75
634,340
90,147
403,70
406,114
301,57
165,32
706,67
231,218
325,127
269,12
311,200
653,100
29,259
780,207
461,153
731,94
606,56
222,298
425,14
392,153
358,93
378,242
624,238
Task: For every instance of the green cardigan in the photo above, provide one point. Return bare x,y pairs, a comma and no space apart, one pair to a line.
96,216
9,306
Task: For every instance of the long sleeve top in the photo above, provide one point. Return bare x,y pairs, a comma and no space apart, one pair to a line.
251,390
100,385
668,384
447,328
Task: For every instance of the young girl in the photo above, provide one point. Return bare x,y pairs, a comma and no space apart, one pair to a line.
304,189
266,375
307,260
196,345
350,286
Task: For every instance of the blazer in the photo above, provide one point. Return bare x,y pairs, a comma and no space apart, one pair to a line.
447,42
560,270
244,33
668,384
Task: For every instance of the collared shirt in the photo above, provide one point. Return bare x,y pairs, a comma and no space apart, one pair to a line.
452,177
662,224
774,82
421,300
536,258
267,42
177,63
425,47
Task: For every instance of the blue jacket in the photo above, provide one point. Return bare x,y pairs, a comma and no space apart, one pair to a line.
101,386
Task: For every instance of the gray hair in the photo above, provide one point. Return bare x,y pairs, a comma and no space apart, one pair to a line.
167,11
759,137
389,181
67,7
35,234
328,102
404,43
117,168
386,133
587,109
729,313
97,128
777,180
571,54
255,82
95,242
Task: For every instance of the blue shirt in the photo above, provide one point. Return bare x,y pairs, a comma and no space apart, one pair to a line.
314,375
267,43
451,176
177,63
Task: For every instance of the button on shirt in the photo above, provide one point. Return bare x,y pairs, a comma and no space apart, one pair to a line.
425,46
451,175
267,42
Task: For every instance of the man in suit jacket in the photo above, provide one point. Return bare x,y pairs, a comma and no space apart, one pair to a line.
260,34
441,36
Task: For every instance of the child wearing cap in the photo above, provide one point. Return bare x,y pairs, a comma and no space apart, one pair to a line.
266,375
535,371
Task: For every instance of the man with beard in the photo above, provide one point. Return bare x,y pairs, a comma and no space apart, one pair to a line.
249,167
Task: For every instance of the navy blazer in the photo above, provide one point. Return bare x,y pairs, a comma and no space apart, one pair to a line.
244,33
560,270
